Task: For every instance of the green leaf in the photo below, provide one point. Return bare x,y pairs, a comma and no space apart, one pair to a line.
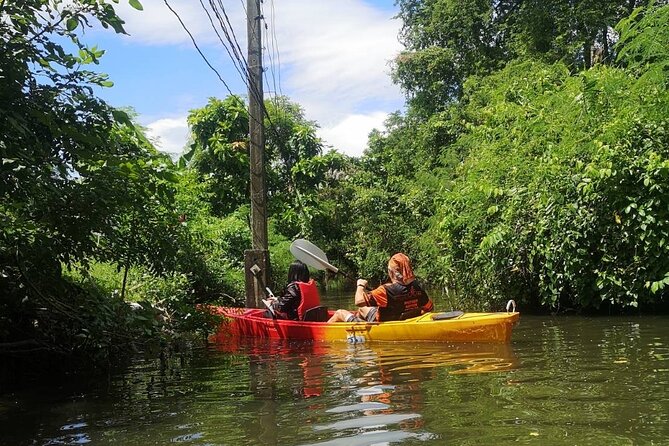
121,117
655,286
72,24
136,4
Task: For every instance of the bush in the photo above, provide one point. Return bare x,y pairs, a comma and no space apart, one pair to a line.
562,197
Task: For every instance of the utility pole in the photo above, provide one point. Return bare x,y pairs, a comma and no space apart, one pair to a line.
256,260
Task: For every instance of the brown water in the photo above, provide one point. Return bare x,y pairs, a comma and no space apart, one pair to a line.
562,381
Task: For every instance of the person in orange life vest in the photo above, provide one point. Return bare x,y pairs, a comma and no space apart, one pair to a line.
298,296
390,300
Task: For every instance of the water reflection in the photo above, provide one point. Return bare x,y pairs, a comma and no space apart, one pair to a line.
354,394
562,381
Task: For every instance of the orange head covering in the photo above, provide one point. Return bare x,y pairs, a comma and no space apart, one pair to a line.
400,270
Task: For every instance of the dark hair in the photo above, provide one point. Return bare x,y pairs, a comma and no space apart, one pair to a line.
298,272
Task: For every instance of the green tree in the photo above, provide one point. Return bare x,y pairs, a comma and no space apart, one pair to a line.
78,180
292,148
308,193
447,41
219,151
561,200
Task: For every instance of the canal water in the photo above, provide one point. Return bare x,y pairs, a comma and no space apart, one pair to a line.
561,381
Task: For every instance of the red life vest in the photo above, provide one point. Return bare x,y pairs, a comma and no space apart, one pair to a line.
310,297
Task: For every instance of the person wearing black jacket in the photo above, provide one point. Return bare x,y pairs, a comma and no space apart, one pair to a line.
299,295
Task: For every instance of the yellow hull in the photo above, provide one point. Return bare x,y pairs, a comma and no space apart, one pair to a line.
470,327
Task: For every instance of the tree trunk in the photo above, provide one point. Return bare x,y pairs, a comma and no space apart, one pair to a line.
587,55
605,45
125,279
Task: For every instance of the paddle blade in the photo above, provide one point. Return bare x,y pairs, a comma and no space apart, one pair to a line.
310,254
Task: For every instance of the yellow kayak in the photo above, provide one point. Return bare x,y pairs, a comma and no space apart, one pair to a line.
442,327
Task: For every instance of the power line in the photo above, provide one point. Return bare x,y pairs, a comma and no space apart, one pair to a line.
253,91
232,29
275,51
272,66
237,67
183,25
276,45
271,60
229,31
227,87
237,53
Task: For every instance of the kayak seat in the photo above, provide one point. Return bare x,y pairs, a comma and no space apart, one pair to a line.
316,314
410,314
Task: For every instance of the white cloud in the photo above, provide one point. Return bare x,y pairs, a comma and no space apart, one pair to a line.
350,135
157,25
334,56
169,134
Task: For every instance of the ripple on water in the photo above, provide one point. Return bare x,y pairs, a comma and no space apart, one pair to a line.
81,438
369,421
358,407
187,437
374,390
69,427
373,438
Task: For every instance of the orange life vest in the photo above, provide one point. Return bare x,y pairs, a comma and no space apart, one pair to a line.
310,297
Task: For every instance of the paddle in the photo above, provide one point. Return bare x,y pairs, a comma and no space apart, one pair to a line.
268,302
270,296
311,255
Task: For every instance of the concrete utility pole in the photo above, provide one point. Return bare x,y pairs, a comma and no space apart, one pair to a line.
256,260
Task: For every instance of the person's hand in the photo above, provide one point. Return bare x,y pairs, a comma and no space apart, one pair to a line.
362,283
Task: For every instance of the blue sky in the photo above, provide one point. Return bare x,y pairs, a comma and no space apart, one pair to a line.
334,62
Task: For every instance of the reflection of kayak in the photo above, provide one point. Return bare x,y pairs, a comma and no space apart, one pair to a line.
467,327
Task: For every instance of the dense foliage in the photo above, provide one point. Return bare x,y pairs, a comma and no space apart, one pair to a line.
531,163
80,185
567,206
303,184
547,182
74,172
449,40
